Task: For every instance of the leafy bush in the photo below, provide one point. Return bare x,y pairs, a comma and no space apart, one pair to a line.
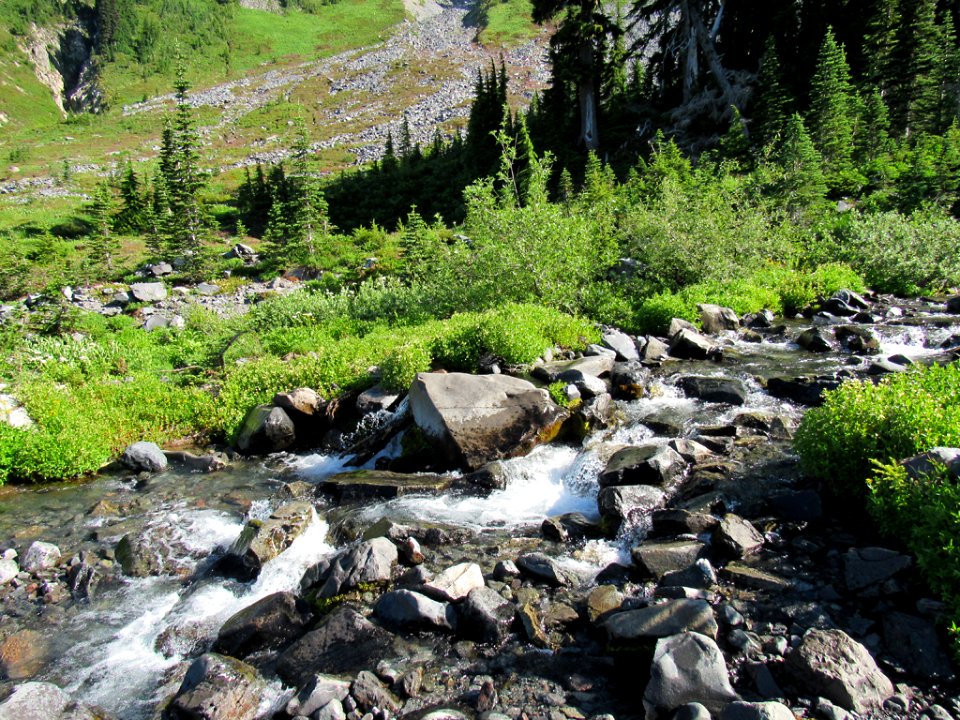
860,422
401,365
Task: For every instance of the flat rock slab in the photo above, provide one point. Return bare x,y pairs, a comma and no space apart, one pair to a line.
658,557
148,292
592,365
687,668
384,485
831,664
269,623
408,610
475,419
868,566
732,391
657,621
746,576
643,465
455,583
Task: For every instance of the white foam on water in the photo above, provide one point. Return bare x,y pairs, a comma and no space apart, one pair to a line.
120,668
317,466
545,482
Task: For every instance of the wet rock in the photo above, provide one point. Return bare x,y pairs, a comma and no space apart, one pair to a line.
586,386
857,339
265,429
687,668
661,620
486,616
756,711
628,381
82,579
678,325
217,687
34,701
473,420
814,340
8,570
316,694
382,484
307,410
345,642
543,568
22,655
144,555
628,503
455,583
505,570
690,345
829,663
148,292
658,557
864,567
268,624
715,319
885,367
532,624
953,304
370,693
376,399
691,711
715,389
492,476
602,601
699,575
40,556
622,344
650,464
797,505
654,350
690,450
408,610
915,644
487,698
144,457
926,463
679,522
763,319
570,526
411,682
211,462
736,537
370,561
261,541
591,365
803,390
749,577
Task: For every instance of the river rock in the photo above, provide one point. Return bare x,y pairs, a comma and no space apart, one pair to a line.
732,391
22,655
926,463
757,711
408,610
486,616
148,292
8,570
953,304
268,624
262,540
622,344
627,503
265,429
455,583
321,690
661,620
736,537
473,419
570,526
658,557
602,601
40,556
654,350
857,339
306,409
868,566
743,575
700,575
678,325
370,561
587,385
591,365
915,644
715,319
145,555
803,390
492,476
34,701
217,687
144,457
362,485
628,381
543,568
370,693
531,622
689,344
676,521
687,668
345,642
650,464
814,340
829,663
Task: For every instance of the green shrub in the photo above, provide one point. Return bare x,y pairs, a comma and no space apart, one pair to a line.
656,312
860,422
400,366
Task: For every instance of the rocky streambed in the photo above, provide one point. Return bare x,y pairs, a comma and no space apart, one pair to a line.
662,557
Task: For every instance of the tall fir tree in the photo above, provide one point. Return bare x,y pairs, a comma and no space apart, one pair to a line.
916,82
831,116
802,185
879,43
132,217
772,101
103,244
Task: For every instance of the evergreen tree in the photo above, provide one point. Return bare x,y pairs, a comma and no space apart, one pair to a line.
802,185
879,43
132,217
917,86
103,244
873,140
949,71
108,21
772,101
832,112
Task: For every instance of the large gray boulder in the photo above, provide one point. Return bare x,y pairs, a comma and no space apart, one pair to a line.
265,429
831,664
736,537
316,694
757,711
543,568
622,344
268,624
409,610
658,557
148,292
144,457
691,345
657,621
370,561
650,464
687,668
628,503
868,566
217,687
262,540
732,391
715,318
40,556
928,462
455,583
486,616
474,419
34,701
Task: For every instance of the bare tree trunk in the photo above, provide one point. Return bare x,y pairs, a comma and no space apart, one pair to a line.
589,131
691,67
705,41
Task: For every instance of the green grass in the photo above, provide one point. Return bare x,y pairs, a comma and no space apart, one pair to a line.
504,23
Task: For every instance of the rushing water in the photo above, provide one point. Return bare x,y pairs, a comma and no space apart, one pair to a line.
122,649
